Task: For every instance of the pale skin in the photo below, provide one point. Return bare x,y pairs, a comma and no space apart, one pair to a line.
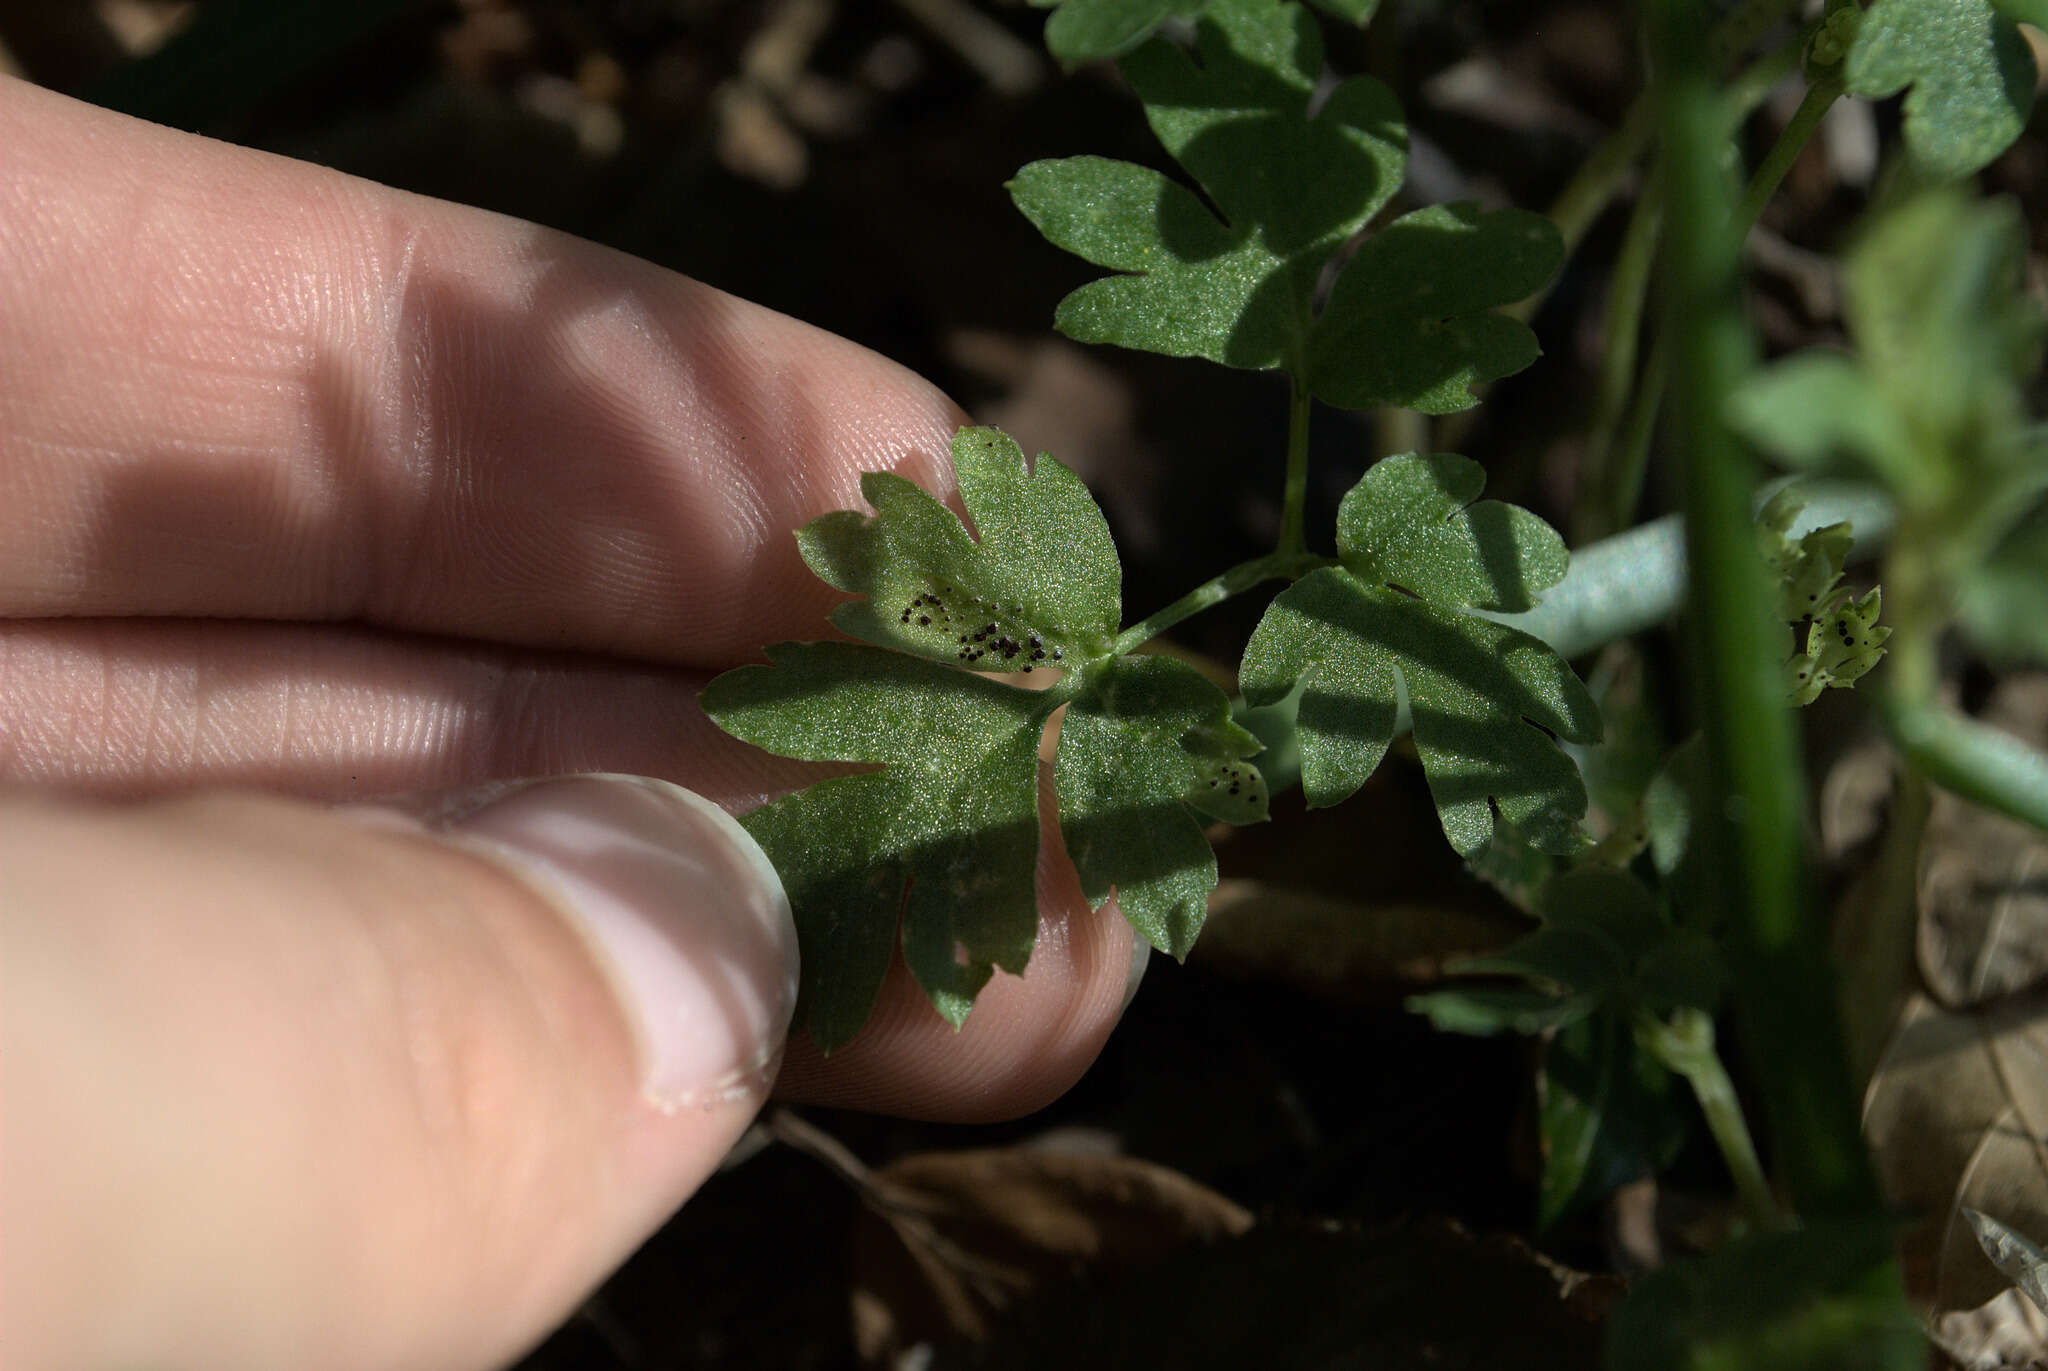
313,491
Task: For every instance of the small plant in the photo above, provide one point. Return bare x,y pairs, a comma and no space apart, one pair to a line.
983,641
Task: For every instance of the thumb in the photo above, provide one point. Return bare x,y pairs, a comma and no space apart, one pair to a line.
288,1086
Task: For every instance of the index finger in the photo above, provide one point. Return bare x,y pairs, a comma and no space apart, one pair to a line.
241,386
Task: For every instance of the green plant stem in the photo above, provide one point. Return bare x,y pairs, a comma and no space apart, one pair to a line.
1274,566
1618,459
1982,764
1754,826
1294,500
1792,140
1601,176
1633,464
1614,483
1875,936
1685,1046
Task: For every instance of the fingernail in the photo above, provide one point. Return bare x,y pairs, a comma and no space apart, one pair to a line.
1141,957
678,904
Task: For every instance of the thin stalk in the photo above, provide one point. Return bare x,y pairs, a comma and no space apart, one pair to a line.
1634,462
1685,1045
1606,170
1619,462
1600,177
1880,918
1612,489
1294,502
1874,938
1274,566
1755,825
1792,140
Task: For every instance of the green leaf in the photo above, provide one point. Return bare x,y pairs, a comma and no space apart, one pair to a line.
1822,1296
947,836
1970,70
1613,905
1041,586
1408,324
1090,30
1608,1114
1807,571
1937,303
1234,279
1816,407
1845,642
1574,959
1145,746
1417,523
1676,797
2003,600
1934,402
1289,188
1482,1011
1360,12
1390,626
1578,1076
938,850
2033,12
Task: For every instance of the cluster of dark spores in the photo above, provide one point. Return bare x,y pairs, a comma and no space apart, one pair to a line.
1238,780
988,638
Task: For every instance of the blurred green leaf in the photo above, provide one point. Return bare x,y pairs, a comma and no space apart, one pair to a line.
1822,1298
2003,600
1482,1011
1933,402
1609,1114
1807,570
1970,71
1092,30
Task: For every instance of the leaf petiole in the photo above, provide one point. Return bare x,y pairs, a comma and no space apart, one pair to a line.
1274,566
1294,501
1685,1047
1763,183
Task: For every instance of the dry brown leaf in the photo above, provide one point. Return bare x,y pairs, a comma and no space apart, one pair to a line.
2005,1333
1984,879
2014,1253
956,1238
1339,948
1362,903
1957,1115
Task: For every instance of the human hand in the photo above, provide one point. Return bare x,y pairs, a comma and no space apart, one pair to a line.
313,492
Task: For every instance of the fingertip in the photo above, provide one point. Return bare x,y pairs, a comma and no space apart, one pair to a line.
1027,1041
